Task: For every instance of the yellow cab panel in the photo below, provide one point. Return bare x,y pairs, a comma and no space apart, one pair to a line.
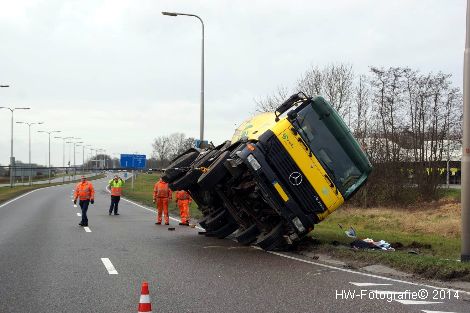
254,127
309,165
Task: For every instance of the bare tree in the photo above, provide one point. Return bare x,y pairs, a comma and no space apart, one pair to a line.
161,150
311,82
179,143
337,85
273,101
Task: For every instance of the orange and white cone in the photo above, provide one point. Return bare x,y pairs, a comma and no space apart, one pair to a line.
144,304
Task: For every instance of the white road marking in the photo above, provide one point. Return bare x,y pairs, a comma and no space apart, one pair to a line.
109,266
361,273
320,264
87,229
153,211
23,195
425,311
407,302
369,284
79,214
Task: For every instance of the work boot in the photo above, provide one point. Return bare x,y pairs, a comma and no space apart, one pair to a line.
81,224
110,213
158,223
180,223
167,223
116,214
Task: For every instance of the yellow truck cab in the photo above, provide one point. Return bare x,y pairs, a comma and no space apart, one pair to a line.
282,173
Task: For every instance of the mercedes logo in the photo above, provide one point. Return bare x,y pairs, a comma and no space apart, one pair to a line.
295,178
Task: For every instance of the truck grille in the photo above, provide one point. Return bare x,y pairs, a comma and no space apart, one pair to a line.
281,162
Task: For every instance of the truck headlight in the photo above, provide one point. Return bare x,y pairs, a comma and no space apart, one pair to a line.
253,162
298,224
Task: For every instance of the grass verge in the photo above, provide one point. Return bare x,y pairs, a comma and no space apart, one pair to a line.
143,194
426,238
7,193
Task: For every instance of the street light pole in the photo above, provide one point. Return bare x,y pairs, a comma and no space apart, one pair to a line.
201,113
465,189
12,159
29,153
49,133
63,154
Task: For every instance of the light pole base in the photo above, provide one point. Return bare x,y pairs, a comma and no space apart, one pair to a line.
465,258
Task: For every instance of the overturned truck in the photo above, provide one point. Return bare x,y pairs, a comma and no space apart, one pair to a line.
282,173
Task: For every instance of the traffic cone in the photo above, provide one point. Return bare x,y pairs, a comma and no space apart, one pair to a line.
144,304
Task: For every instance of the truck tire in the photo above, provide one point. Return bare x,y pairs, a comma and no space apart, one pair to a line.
203,221
215,172
224,231
183,183
173,172
272,239
217,221
247,236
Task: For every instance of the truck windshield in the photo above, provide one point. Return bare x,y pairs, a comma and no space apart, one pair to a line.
333,145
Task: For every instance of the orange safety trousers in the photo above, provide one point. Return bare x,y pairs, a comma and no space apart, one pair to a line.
162,206
184,210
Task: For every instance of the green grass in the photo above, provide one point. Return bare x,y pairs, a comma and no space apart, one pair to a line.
7,193
143,193
452,193
438,252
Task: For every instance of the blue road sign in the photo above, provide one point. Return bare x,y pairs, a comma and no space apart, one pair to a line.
133,160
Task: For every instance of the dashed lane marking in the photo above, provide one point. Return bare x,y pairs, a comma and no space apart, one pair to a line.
79,214
87,229
109,266
321,264
425,311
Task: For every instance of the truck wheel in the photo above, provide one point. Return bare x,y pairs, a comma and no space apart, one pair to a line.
183,183
225,230
214,173
203,221
173,172
217,221
247,236
271,240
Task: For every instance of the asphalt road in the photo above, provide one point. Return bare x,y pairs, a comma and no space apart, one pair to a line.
50,264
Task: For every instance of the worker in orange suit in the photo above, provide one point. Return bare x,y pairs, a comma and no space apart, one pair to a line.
183,199
161,194
85,192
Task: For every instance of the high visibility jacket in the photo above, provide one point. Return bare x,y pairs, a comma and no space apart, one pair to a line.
183,195
84,191
161,190
116,187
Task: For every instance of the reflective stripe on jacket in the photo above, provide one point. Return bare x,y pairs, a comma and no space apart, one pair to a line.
161,190
116,187
84,191
182,195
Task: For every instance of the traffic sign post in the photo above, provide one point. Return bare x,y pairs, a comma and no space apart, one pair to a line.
133,161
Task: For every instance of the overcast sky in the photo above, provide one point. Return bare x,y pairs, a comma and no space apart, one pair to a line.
118,73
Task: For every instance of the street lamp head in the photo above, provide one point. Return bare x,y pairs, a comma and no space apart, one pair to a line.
22,109
4,86
20,122
170,13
